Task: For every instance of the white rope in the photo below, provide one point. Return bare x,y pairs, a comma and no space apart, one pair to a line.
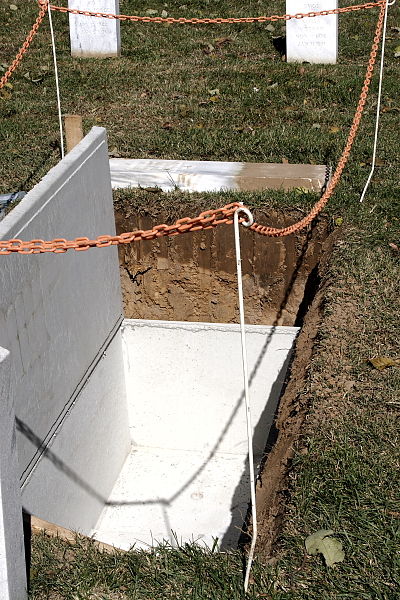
378,106
246,388
57,84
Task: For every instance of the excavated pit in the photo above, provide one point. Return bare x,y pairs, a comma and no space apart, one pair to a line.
192,277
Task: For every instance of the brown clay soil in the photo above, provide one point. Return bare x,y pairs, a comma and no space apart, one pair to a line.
192,278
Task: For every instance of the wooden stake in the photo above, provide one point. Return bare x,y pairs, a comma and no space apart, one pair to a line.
73,130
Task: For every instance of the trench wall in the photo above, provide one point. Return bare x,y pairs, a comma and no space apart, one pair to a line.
60,316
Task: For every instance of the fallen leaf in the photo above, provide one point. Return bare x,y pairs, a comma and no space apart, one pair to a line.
382,362
222,41
167,125
339,221
164,14
321,542
270,27
397,52
114,153
214,92
150,12
394,247
208,48
13,7
4,95
285,160
334,129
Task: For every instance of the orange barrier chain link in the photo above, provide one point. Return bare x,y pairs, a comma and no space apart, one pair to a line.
217,20
210,218
25,45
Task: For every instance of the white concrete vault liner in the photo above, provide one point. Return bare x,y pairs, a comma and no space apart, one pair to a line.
209,176
60,318
187,475
12,558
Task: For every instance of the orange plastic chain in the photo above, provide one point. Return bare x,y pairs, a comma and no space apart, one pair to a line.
25,45
207,21
211,218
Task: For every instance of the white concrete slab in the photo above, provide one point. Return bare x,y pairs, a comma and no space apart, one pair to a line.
12,558
312,39
208,175
189,376
94,36
187,473
58,314
176,496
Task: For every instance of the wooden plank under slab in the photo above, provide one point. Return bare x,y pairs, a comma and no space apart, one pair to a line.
208,176
38,526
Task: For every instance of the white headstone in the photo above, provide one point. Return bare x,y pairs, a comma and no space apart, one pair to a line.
12,554
312,39
94,36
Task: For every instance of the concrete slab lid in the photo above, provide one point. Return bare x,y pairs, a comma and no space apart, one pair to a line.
202,176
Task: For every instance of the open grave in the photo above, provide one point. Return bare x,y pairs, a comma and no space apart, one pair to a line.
131,428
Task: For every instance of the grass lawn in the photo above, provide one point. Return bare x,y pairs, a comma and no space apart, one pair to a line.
222,92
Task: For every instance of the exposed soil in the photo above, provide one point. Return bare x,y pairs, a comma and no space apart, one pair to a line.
192,278
293,408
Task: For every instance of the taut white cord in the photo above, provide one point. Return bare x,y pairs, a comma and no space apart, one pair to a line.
57,83
246,388
378,106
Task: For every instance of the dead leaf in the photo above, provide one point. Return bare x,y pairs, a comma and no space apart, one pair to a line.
114,153
382,362
222,41
285,160
167,125
13,7
321,542
208,48
394,247
334,129
151,12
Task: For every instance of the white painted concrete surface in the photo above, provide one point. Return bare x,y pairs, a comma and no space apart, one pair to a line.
12,558
312,39
58,316
208,175
94,36
187,472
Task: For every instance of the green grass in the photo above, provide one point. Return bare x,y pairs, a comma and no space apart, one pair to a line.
345,471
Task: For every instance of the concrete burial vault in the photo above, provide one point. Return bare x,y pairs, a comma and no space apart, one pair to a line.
131,431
